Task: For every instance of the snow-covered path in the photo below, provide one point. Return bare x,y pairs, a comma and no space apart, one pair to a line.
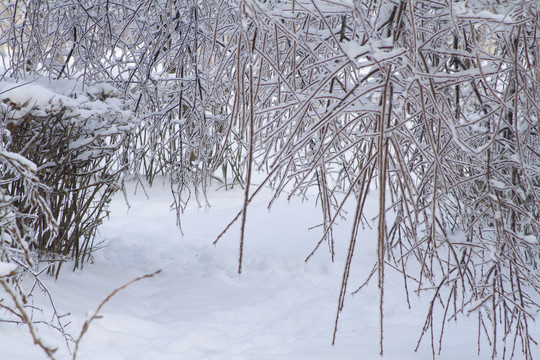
198,307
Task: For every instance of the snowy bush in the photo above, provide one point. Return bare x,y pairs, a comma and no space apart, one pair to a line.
74,141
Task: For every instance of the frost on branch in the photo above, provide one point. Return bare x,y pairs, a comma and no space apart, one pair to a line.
432,105
17,235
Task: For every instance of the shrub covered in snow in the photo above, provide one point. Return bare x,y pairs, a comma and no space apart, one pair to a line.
73,139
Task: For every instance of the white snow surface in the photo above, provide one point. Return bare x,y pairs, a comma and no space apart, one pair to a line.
7,268
34,94
199,307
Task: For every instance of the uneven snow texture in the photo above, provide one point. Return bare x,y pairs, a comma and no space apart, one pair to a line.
200,308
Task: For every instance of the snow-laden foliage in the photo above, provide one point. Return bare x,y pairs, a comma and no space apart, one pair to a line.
431,104
74,140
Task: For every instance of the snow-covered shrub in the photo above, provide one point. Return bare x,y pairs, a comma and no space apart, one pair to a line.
16,234
74,140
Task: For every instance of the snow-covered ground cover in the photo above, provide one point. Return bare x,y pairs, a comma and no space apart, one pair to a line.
198,307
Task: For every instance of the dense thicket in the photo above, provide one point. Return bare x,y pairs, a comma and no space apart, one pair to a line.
431,104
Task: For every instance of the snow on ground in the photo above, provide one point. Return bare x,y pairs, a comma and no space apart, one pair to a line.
198,307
